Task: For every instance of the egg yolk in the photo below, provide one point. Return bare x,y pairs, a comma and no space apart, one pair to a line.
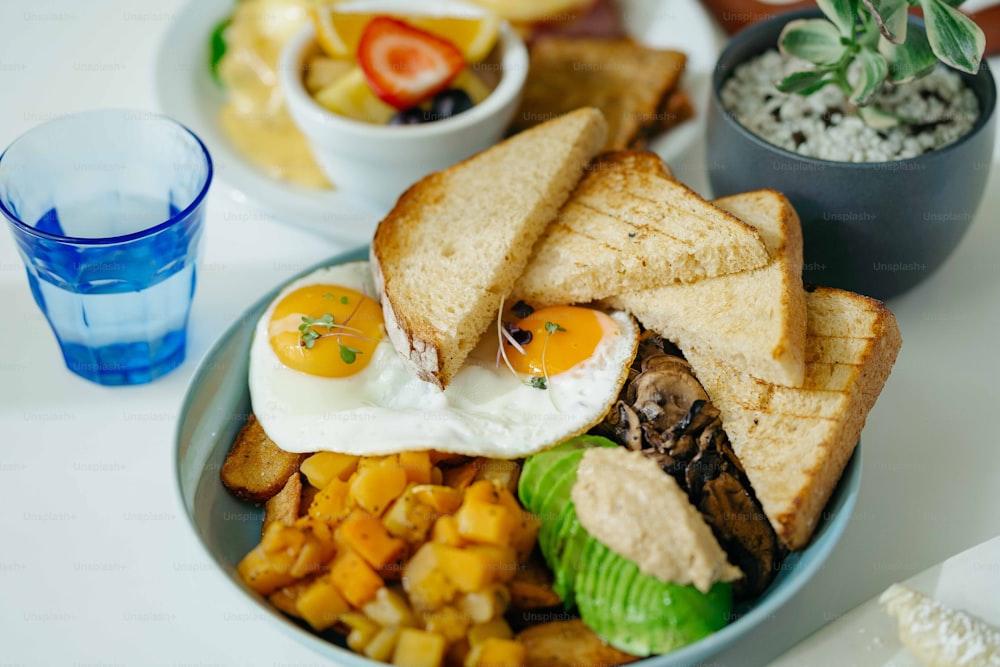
561,338
325,330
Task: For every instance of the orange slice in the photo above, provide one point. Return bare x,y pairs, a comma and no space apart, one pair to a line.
338,32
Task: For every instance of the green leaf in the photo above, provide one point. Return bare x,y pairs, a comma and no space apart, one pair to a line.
217,47
879,119
841,13
538,383
910,60
805,82
872,71
814,40
955,39
348,354
891,18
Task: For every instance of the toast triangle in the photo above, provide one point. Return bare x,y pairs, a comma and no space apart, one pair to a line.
629,226
794,442
754,319
440,278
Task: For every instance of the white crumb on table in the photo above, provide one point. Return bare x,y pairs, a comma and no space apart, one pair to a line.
940,636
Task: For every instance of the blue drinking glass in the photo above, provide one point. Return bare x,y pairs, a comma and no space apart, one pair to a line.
106,208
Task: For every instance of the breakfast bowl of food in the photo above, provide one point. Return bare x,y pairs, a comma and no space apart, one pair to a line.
389,91
479,453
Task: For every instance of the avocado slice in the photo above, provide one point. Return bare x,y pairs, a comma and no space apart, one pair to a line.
632,611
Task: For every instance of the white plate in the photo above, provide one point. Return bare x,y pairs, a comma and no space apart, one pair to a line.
187,92
867,637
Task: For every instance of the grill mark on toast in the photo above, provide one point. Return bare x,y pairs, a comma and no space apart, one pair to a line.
641,226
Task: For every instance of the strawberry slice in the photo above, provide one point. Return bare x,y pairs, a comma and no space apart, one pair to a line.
405,65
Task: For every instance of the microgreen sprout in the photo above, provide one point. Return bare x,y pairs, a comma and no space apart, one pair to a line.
550,329
308,335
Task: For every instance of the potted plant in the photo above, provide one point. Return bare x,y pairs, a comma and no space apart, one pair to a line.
846,110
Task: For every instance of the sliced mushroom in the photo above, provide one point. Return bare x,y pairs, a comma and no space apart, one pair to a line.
666,413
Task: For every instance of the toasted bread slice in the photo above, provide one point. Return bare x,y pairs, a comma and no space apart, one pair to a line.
629,227
794,442
627,81
256,469
450,250
756,319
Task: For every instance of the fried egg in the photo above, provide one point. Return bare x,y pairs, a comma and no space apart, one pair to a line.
324,376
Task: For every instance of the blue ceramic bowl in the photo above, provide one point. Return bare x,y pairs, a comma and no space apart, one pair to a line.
217,404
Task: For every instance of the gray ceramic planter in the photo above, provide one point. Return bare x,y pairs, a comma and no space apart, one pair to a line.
875,228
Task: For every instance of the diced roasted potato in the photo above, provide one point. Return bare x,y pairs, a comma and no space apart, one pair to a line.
354,578
369,538
445,531
361,630
497,652
418,648
285,598
383,644
389,607
568,644
321,605
497,627
409,517
504,474
442,499
485,605
447,621
484,522
255,468
323,467
425,581
417,466
331,503
375,487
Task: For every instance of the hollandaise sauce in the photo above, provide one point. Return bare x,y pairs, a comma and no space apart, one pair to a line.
254,118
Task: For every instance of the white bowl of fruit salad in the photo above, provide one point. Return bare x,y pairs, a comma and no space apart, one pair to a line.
388,91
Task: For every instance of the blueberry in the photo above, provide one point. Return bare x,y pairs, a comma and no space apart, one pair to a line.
411,116
449,103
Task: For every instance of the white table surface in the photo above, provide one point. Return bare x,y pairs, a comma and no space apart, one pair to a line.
97,563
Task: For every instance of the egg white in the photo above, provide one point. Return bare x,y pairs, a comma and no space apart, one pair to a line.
384,408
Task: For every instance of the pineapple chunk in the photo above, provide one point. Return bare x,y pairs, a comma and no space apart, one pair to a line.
351,96
323,467
418,648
